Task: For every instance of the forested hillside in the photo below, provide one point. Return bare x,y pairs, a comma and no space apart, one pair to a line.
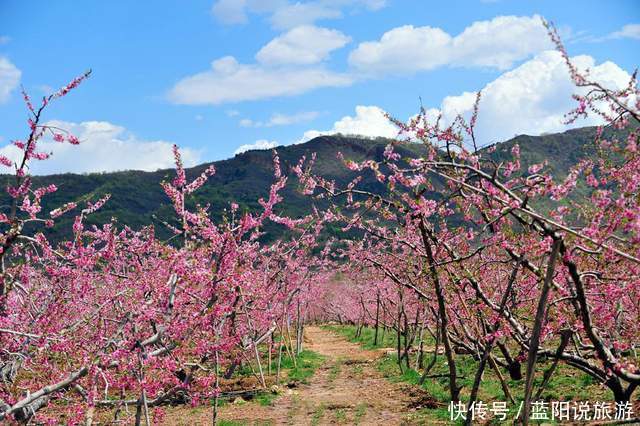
137,198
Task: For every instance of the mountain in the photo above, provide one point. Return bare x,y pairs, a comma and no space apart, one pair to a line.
137,198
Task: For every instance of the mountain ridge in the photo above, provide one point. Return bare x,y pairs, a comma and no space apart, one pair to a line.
137,198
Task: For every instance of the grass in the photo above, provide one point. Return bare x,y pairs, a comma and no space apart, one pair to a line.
340,415
244,371
307,364
231,423
388,366
265,399
361,411
295,407
318,414
366,337
566,384
357,370
334,372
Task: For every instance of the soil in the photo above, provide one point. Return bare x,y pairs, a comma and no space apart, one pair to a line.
346,389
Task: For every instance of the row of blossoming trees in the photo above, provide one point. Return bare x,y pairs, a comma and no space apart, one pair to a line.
510,266
115,318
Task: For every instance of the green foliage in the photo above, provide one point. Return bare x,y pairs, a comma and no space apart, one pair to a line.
266,398
340,415
318,414
307,364
334,372
361,411
137,199
366,337
231,423
565,385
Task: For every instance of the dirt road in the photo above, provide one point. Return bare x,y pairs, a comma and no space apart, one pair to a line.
346,389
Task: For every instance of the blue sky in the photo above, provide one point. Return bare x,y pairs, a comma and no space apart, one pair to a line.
215,75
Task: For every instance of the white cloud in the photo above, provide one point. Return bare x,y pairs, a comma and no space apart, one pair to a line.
278,119
9,78
290,64
369,121
260,144
104,147
230,81
297,14
284,14
198,117
404,48
5,39
302,45
497,43
305,13
530,99
628,31
286,66
230,11
285,120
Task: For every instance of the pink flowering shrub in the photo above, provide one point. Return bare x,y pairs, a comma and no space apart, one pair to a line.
115,316
507,265
536,270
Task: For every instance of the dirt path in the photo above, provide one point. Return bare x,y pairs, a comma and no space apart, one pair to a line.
346,389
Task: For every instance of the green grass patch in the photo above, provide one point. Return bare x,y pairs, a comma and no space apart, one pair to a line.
334,372
357,369
366,337
295,407
266,398
361,411
231,423
244,371
318,414
566,384
307,364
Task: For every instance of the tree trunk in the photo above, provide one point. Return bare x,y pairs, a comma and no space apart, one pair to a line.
375,336
534,342
442,310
